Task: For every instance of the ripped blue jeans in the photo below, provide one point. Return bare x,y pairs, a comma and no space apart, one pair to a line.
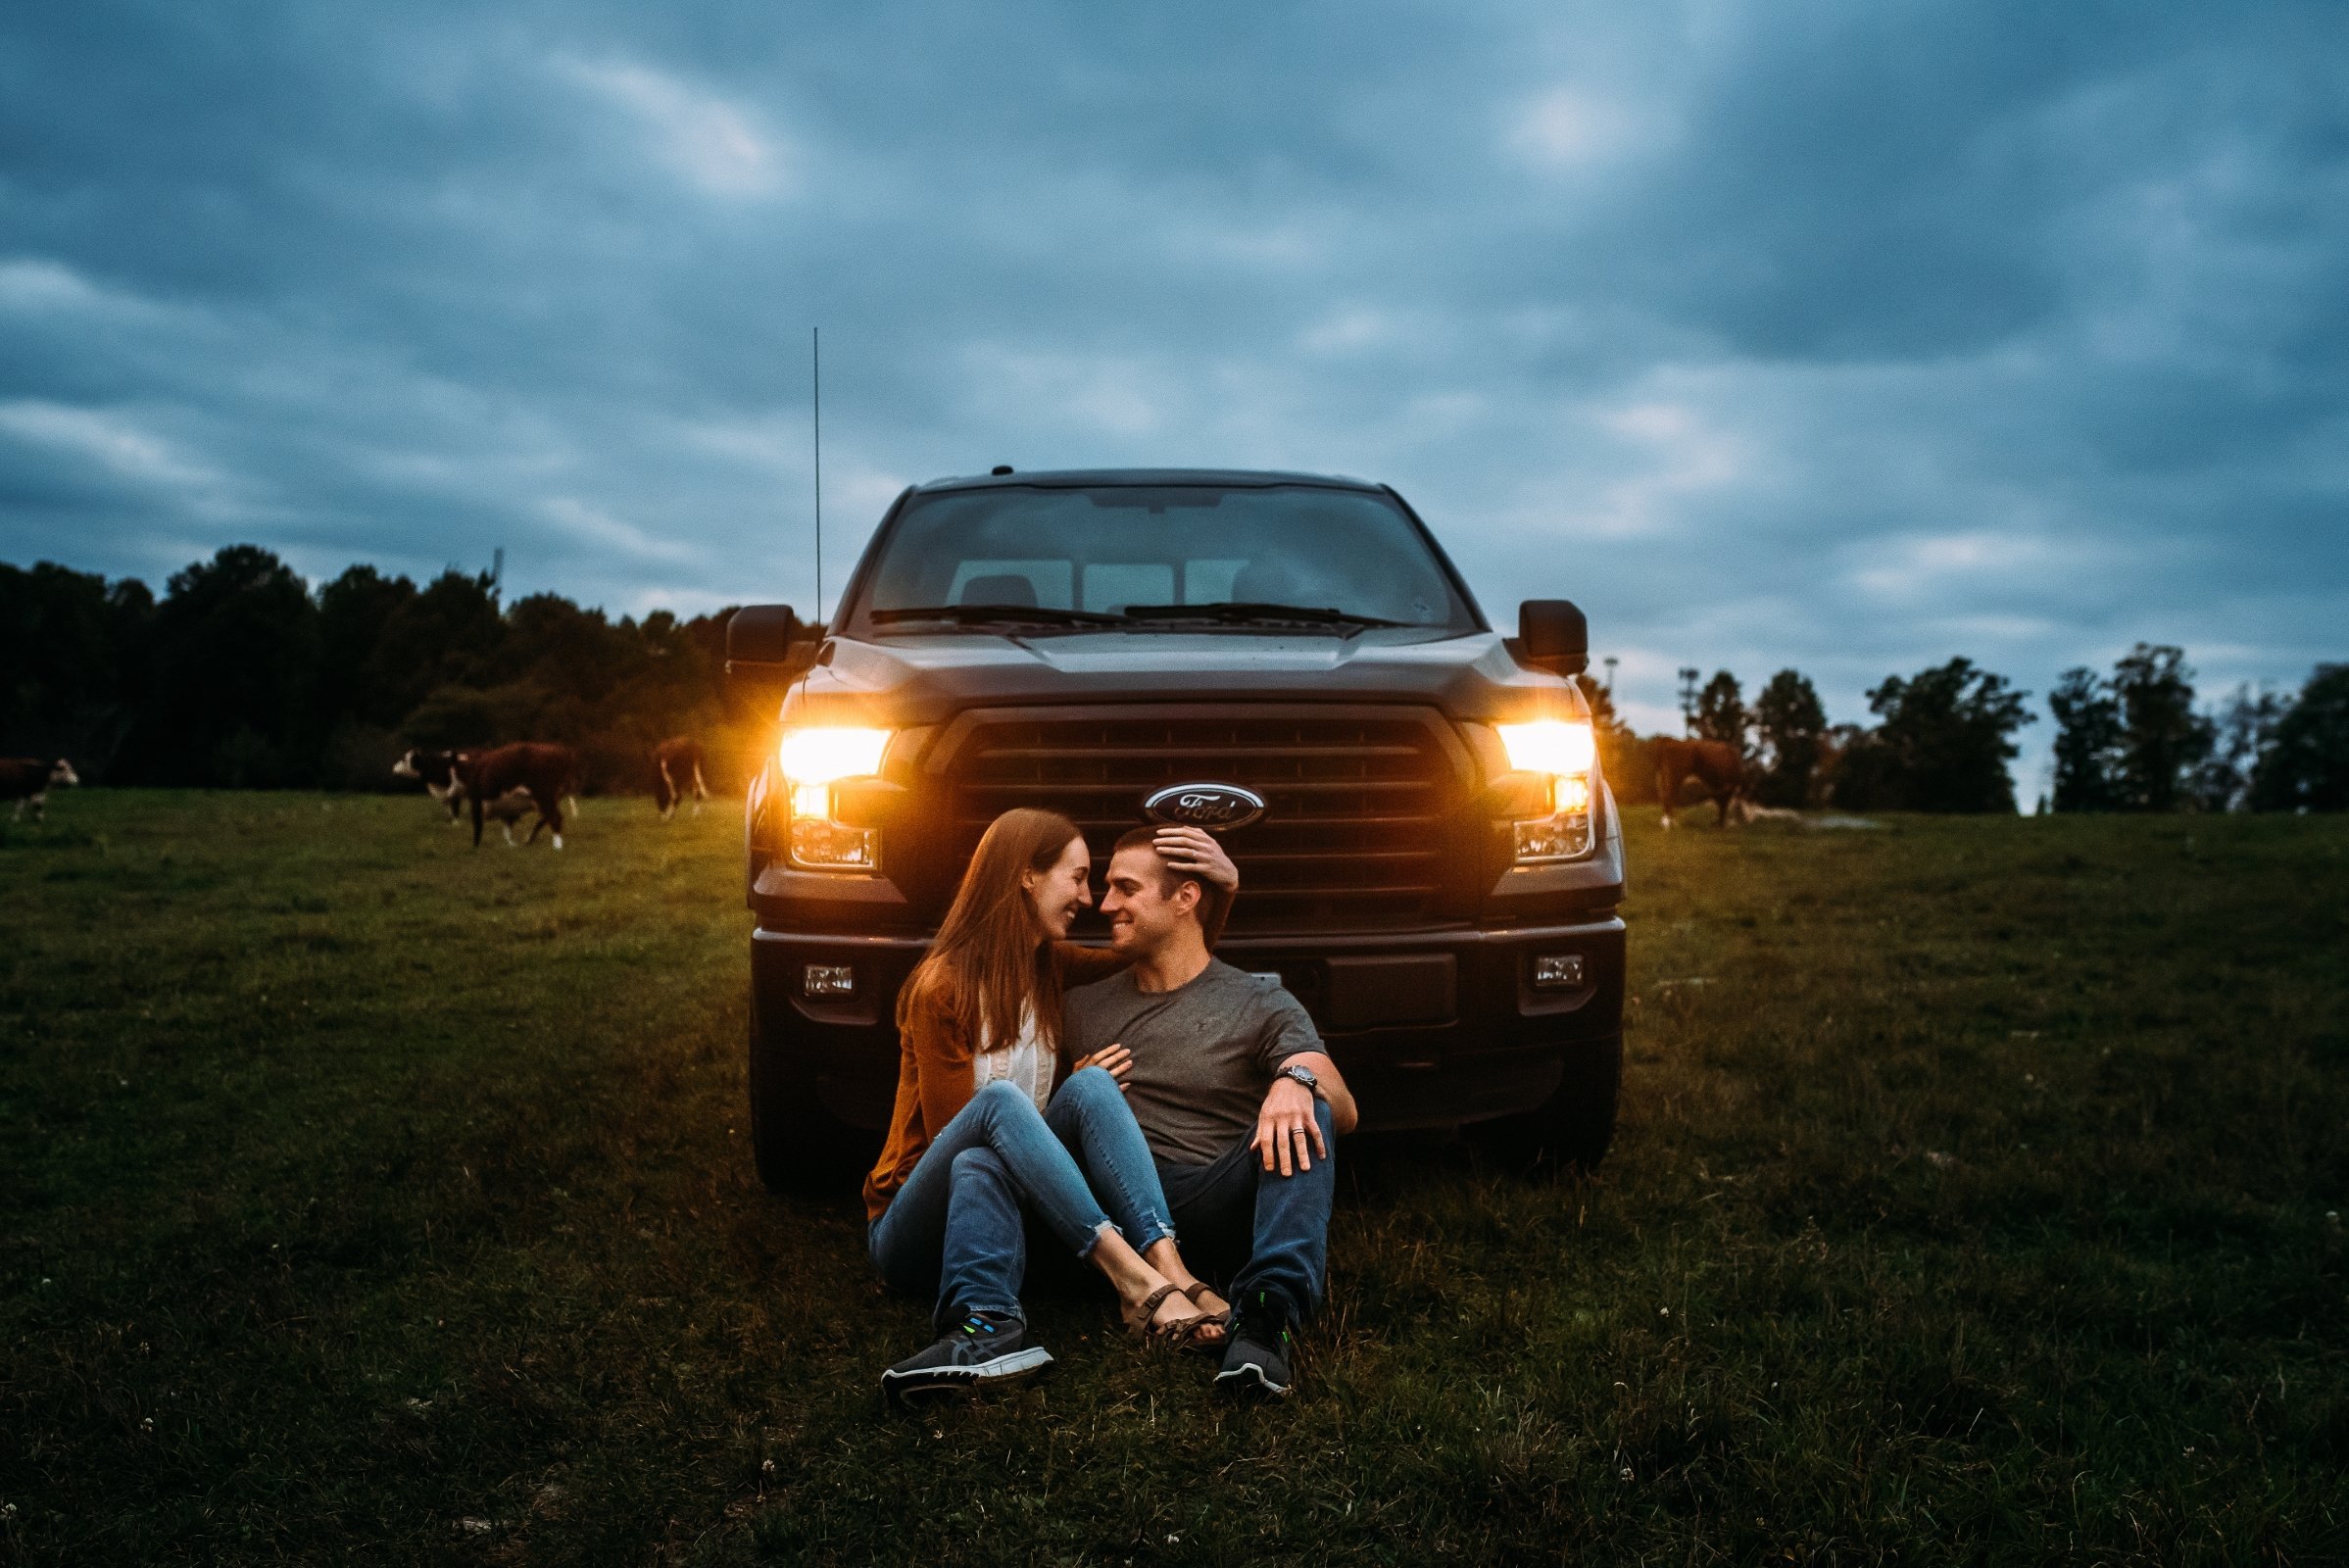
954,1228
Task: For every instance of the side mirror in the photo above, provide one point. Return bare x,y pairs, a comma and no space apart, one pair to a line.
767,645
1554,635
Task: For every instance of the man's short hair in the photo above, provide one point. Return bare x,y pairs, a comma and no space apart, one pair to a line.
1212,898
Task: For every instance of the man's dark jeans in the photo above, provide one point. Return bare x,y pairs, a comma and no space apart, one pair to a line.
1264,1231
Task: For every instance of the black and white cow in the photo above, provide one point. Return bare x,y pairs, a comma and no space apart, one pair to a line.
437,772
28,780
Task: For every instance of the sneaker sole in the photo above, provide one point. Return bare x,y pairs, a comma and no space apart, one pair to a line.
1004,1370
1250,1379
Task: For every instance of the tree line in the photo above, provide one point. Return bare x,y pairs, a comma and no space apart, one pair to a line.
243,675
2131,741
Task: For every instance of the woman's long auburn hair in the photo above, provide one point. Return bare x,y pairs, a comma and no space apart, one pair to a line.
991,961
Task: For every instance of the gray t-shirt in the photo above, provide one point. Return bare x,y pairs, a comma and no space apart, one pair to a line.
1203,1053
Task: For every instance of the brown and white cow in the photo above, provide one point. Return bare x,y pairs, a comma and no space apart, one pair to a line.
1717,766
676,769
546,772
28,780
438,772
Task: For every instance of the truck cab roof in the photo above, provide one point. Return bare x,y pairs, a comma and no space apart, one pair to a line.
1092,478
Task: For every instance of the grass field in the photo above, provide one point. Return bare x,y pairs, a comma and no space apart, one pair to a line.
1977,1198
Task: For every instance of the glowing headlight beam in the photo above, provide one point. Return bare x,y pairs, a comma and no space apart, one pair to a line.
1555,746
823,755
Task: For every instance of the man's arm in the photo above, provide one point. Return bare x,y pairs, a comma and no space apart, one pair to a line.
1288,1133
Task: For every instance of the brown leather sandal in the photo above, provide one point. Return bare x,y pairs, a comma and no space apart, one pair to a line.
1208,1318
1176,1335
1138,1314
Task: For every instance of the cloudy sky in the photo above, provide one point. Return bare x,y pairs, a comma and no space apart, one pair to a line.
1843,335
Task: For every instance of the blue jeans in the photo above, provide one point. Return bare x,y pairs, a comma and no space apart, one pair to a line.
1233,1209
955,1227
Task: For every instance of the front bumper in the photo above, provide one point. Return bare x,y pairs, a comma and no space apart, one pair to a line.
1431,1028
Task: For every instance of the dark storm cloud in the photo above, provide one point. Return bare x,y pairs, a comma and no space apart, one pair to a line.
1843,335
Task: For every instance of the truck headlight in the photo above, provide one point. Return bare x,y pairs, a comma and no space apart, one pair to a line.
811,760
1564,750
1549,746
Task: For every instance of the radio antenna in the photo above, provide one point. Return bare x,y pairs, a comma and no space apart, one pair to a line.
815,364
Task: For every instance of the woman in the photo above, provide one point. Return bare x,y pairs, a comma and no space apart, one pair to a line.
985,1122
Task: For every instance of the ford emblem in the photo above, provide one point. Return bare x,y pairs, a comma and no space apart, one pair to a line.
1215,807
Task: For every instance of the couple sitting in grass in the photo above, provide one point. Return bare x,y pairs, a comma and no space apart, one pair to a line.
1119,1097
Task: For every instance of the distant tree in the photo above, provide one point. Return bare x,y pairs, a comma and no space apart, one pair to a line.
2087,743
1944,743
235,657
2243,730
1622,755
1864,777
1792,727
355,612
2163,740
449,631
2306,766
61,676
1721,713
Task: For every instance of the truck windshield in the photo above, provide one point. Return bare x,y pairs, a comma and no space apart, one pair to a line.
1283,557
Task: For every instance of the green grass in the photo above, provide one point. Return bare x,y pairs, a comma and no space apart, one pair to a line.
1975,1201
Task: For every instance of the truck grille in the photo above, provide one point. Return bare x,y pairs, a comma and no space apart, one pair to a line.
1365,806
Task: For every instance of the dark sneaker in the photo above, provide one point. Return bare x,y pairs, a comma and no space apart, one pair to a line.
982,1352
1257,1361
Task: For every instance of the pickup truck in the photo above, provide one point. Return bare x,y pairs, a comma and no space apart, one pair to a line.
1430,857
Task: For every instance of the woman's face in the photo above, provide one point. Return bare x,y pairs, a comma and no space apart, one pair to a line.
1059,893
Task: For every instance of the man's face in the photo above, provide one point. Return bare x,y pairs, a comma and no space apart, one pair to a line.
1143,915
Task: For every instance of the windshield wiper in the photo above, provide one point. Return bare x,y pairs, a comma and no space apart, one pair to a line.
1255,613
982,614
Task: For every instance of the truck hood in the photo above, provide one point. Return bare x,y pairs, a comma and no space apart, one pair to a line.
927,679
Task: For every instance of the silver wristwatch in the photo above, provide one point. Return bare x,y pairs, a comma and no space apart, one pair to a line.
1302,1075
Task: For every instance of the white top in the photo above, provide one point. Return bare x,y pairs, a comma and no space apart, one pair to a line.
1024,1061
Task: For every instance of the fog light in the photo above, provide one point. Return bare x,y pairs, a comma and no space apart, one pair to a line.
1558,972
1553,838
829,980
818,844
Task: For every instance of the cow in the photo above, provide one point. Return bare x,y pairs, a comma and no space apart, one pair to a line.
1717,766
677,765
546,772
438,772
28,780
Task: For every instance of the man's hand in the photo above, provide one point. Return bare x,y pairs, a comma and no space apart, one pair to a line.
1116,1061
1286,1126
1194,849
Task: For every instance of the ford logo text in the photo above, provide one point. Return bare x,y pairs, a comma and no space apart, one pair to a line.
1209,806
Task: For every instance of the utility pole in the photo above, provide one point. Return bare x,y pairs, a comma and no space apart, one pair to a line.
1690,675
815,367
1610,662
497,576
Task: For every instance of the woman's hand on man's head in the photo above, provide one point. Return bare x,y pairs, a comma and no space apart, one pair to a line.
1196,851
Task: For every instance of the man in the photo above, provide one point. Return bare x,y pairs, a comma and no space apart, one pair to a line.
1239,1104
